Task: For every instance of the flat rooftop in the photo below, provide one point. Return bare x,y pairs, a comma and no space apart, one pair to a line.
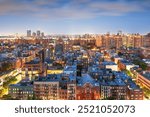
108,63
86,78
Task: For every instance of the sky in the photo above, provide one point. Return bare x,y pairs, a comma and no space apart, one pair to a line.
74,16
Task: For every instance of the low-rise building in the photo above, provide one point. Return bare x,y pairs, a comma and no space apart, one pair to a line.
110,65
114,89
125,65
22,91
87,88
134,92
143,79
47,88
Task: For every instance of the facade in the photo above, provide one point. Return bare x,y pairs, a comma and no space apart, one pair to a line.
144,79
135,94
145,52
33,65
98,41
87,88
146,40
116,89
28,33
105,91
38,33
46,88
22,90
63,94
71,90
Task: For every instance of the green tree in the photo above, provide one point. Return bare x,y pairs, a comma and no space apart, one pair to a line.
142,64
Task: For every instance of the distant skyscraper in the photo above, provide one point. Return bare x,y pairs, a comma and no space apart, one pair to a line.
42,34
38,33
28,33
98,41
119,32
33,34
146,40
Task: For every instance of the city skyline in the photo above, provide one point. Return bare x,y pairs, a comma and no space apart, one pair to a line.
91,67
74,17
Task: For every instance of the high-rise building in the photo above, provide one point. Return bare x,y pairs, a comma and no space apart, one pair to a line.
98,41
118,39
134,40
138,41
42,34
33,34
146,40
119,32
38,33
28,33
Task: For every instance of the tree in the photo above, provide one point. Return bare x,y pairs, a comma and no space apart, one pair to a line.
6,66
7,97
10,80
1,92
142,64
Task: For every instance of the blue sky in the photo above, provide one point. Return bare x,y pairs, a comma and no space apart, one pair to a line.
74,16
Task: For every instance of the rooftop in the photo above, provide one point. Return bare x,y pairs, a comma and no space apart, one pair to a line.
132,85
86,78
35,61
49,61
70,68
108,63
115,82
126,62
23,83
49,78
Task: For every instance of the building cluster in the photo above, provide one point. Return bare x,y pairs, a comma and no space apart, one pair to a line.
116,41
77,67
84,77
37,34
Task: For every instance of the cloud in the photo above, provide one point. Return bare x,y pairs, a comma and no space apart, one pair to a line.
115,8
11,7
70,9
